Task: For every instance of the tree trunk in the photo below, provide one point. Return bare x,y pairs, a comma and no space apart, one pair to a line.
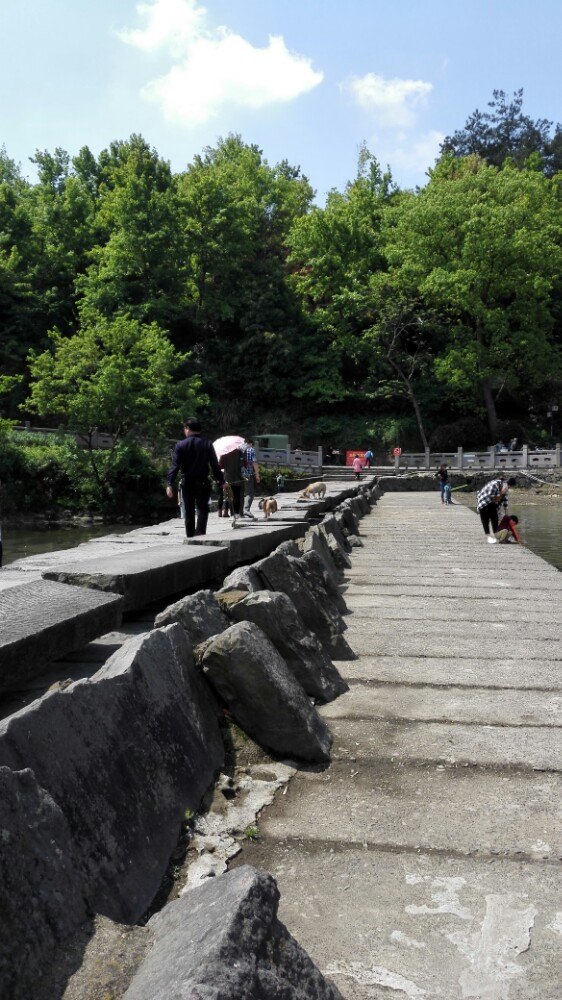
490,405
412,397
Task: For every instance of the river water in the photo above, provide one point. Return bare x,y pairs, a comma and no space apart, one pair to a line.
540,528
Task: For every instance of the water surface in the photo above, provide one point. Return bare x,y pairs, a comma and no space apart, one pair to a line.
21,542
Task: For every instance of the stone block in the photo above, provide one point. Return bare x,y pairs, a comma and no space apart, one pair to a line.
331,526
304,655
310,597
262,694
243,578
224,941
43,621
200,616
251,541
316,541
148,574
123,754
313,568
41,903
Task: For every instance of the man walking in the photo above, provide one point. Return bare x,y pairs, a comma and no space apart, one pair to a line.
193,457
489,499
251,473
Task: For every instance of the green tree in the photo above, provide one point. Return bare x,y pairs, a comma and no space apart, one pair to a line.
506,132
481,247
116,376
137,263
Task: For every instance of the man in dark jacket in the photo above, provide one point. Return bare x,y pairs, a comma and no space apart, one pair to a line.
193,457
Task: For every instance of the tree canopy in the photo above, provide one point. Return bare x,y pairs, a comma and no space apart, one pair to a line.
129,292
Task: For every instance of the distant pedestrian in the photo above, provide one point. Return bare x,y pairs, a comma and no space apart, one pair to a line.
368,458
489,499
251,473
357,467
513,444
442,475
193,458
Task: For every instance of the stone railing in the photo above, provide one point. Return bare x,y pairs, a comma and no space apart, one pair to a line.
489,459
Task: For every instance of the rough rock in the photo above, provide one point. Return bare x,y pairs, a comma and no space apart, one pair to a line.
242,578
123,755
313,568
339,555
223,941
310,597
260,691
199,615
343,521
364,504
331,526
316,541
304,655
41,902
290,548
355,542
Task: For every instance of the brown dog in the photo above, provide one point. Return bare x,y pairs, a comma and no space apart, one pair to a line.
314,489
269,506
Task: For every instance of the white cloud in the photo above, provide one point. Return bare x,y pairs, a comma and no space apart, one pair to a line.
392,102
214,68
420,154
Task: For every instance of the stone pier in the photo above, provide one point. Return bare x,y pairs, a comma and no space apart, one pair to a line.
423,861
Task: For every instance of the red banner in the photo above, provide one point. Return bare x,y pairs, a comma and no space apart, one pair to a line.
350,455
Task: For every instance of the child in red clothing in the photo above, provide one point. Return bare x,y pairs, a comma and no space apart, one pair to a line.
507,530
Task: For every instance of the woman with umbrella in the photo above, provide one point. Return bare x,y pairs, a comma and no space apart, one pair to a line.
229,451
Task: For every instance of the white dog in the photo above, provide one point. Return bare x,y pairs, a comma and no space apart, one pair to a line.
314,489
269,506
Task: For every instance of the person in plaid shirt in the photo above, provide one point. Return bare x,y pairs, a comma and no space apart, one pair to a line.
489,499
251,473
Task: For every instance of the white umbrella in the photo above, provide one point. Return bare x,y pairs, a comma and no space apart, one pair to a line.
224,445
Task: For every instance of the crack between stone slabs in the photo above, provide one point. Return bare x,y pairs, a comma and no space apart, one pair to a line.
372,681
339,847
457,656
442,721
357,757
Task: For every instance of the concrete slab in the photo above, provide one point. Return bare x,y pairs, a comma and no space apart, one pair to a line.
396,642
248,544
147,574
482,706
405,740
41,621
502,673
423,589
360,621
438,807
363,601
384,924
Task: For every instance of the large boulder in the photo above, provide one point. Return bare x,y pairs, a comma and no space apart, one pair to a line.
309,595
331,526
223,941
338,553
41,902
316,541
313,568
304,655
199,615
262,694
242,578
123,755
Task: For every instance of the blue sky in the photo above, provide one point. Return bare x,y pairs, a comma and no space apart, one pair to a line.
307,81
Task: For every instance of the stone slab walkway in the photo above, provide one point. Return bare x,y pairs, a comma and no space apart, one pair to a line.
423,861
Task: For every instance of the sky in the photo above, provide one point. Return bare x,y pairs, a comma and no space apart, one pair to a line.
306,80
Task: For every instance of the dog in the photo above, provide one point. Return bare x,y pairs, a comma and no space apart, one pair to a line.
268,505
314,489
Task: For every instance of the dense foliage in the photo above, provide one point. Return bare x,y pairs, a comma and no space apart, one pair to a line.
129,295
